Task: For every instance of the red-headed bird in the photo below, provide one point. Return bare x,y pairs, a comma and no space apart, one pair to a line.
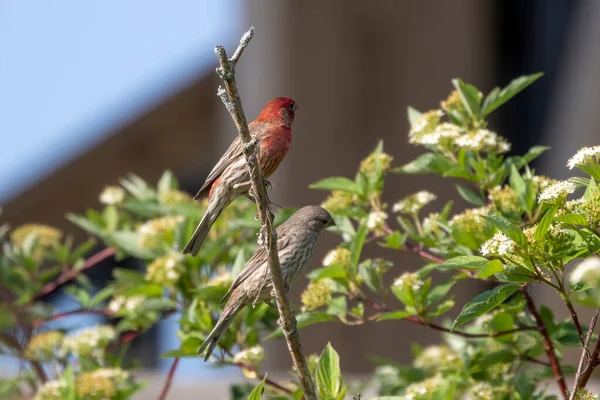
229,179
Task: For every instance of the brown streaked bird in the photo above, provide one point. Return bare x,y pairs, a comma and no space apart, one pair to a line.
229,179
296,241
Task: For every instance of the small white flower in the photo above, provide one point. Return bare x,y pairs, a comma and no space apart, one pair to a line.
413,203
90,340
498,245
483,140
112,195
409,279
585,155
50,390
376,219
557,190
587,271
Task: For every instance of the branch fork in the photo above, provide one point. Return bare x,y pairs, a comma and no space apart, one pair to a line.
231,98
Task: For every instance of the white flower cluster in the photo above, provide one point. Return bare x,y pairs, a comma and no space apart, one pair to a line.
376,219
483,140
165,270
339,256
444,134
426,123
556,191
51,390
424,389
498,245
112,195
431,223
585,155
251,356
111,373
90,341
413,203
121,303
409,279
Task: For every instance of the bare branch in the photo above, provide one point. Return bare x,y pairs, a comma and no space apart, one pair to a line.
169,380
72,273
584,353
268,235
550,352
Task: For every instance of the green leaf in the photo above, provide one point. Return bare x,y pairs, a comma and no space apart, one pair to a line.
395,315
305,319
544,224
328,374
258,390
167,182
591,170
534,153
516,181
496,97
338,307
573,219
439,291
469,196
413,115
463,262
111,217
86,224
485,302
509,229
337,183
470,96
356,246
424,164
490,268
129,242
395,240
502,321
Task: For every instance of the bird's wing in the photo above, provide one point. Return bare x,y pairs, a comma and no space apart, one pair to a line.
258,259
233,153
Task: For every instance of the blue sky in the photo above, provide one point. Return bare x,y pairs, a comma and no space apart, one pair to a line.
73,71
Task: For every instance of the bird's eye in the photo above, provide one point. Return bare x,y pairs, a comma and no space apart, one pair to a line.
293,106
325,221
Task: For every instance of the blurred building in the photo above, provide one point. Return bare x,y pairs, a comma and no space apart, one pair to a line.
353,67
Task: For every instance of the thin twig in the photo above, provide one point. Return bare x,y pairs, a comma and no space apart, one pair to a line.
550,352
260,377
423,253
584,353
536,361
72,273
233,104
169,380
419,321
574,318
54,317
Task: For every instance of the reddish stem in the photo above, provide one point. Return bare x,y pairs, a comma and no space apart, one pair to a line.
548,345
419,321
65,314
72,273
258,376
169,380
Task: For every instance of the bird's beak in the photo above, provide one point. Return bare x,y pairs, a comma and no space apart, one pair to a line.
332,223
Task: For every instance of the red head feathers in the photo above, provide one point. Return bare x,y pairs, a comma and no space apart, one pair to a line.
279,109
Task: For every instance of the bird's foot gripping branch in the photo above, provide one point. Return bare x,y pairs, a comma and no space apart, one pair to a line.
513,230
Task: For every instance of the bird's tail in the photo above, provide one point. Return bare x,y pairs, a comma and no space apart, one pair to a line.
226,318
212,213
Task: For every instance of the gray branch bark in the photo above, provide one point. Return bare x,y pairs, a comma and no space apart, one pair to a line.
233,103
